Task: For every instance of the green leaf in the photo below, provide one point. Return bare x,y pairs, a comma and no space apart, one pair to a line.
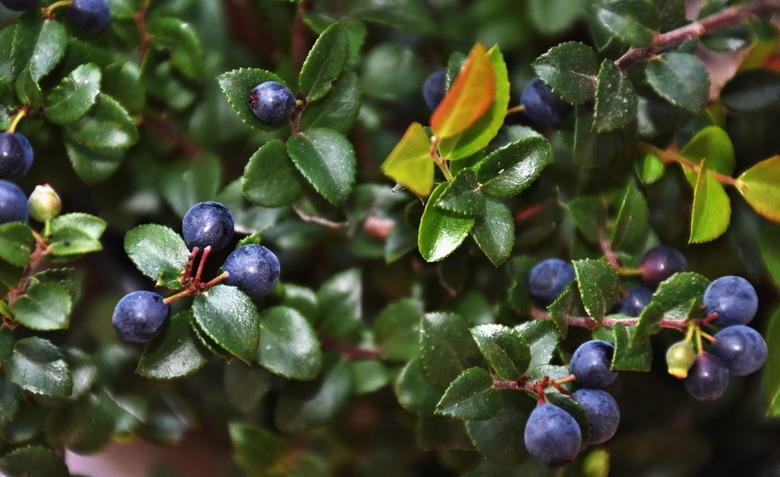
650,169
107,125
270,179
325,62
6,343
494,231
37,366
680,78
752,90
310,404
340,305
509,170
9,401
27,89
446,347
93,165
84,427
711,211
500,438
630,354
505,349
370,375
590,215
616,99
122,81
180,40
761,187
470,396
410,163
236,86
599,286
326,160
288,344
463,196
406,14
76,234
551,17
770,252
543,339
16,242
770,375
44,306
633,221
563,307
633,21
397,330
246,386
33,461
158,252
713,146
257,449
229,317
38,43
70,100
385,62
339,109
175,353
570,70
190,181
441,232
415,392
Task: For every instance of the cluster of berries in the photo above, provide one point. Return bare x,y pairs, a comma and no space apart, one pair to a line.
89,16
207,226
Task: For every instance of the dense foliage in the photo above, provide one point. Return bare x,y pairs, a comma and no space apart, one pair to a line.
392,237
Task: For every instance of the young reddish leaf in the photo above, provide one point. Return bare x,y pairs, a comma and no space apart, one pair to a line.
469,96
762,187
410,163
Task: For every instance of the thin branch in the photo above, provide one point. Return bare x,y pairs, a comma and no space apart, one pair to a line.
348,350
668,157
606,322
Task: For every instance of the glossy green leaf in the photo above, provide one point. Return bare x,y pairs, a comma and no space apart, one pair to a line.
257,449
44,307
630,357
326,160
500,439
190,181
38,43
246,386
288,344
37,366
340,303
76,234
770,252
122,81
441,232
650,169
325,62
505,349
680,78
590,214
761,187
633,221
494,231
9,400
158,252
616,99
552,17
384,63
84,427
27,89
270,178
771,372
563,307
310,404
509,170
397,330
543,339
210,344
711,212
635,22
339,109
175,353
752,90
33,461
410,163
302,299
70,100
6,343
16,242
415,392
229,317
446,347
713,146
236,86
470,396
464,195
570,69
179,39
599,285
107,125
484,129
92,165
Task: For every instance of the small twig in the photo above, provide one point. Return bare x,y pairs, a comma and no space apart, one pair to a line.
143,35
668,157
606,322
439,161
318,220
606,248
36,260
348,350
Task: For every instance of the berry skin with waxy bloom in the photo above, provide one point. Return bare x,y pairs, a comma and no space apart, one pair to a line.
734,300
660,263
139,316
741,348
16,155
208,223
542,105
707,378
253,269
89,16
552,436
603,413
590,364
549,278
434,88
635,300
272,102
13,203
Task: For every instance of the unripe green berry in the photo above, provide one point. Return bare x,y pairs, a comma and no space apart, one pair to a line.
44,203
679,359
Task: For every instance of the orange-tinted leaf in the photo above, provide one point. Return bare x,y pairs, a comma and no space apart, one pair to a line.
469,96
410,163
762,187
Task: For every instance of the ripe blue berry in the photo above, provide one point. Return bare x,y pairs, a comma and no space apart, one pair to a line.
139,316
542,105
635,300
253,269
603,413
434,88
707,378
89,16
552,436
549,278
207,223
734,300
590,364
13,203
272,102
660,263
20,5
16,155
741,348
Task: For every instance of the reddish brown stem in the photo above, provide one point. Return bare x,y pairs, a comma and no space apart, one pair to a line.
606,322
668,157
164,126
36,260
201,264
348,350
143,35
606,248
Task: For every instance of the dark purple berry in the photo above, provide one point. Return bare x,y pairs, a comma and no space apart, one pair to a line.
434,88
603,413
549,278
20,5
207,223
635,300
139,316
13,203
542,105
552,436
741,348
734,300
660,263
272,102
16,155
590,364
707,378
89,16
253,269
